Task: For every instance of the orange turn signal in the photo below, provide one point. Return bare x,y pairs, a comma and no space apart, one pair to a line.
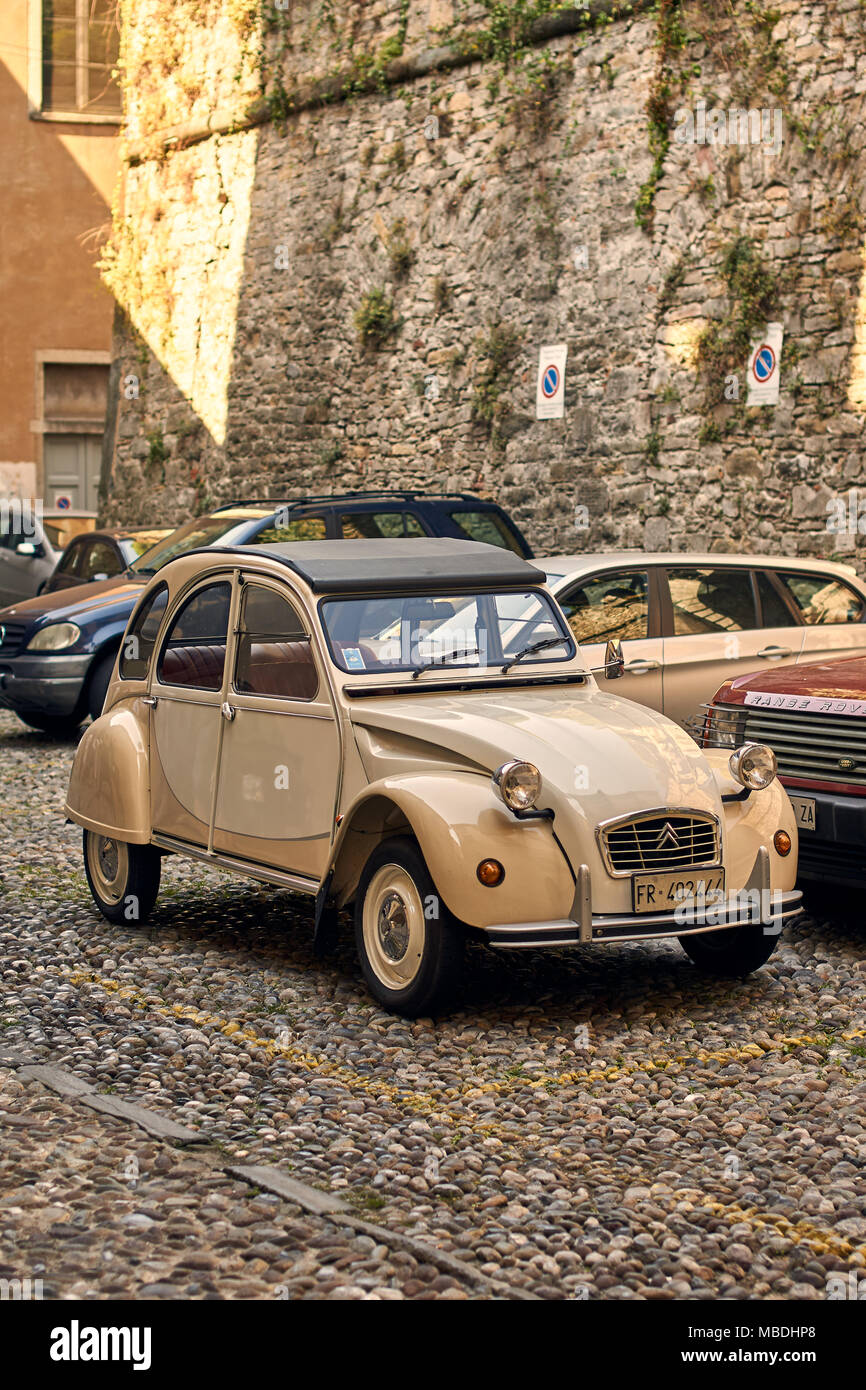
782,842
490,872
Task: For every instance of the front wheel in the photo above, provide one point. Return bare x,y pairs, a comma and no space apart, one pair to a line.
409,945
123,878
736,951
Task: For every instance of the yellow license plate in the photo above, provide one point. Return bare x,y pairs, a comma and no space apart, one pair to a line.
665,892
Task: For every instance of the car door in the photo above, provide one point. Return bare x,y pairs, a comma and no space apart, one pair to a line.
280,757
714,628
25,559
620,605
833,614
186,687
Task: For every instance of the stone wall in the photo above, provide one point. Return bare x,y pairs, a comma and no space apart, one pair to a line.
467,210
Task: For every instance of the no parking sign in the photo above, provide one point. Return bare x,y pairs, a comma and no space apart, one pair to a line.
550,392
763,371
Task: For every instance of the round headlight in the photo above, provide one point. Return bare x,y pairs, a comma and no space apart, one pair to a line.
519,784
753,766
54,638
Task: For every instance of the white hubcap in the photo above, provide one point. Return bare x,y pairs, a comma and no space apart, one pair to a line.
393,926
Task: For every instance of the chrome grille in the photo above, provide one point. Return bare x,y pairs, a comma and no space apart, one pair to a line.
659,841
13,637
809,745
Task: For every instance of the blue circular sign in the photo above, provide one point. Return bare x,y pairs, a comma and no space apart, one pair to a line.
764,363
63,504
550,382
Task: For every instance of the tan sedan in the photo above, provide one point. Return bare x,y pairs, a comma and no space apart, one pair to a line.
689,622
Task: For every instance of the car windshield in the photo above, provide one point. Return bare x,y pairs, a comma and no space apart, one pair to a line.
412,632
203,531
140,542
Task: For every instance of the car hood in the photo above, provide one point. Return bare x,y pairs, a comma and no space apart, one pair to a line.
600,756
839,679
75,605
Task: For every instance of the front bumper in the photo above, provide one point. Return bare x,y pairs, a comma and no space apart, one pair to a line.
43,684
834,851
753,905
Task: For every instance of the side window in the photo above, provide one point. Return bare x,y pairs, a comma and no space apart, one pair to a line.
774,610
822,599
194,652
274,655
712,600
98,558
70,559
609,606
355,526
489,527
302,528
138,643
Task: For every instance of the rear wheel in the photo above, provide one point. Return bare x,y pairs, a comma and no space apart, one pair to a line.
123,878
62,725
734,952
409,945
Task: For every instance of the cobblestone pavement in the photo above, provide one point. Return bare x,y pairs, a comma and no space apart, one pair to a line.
598,1124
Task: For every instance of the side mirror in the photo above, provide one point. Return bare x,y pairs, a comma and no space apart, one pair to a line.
614,661
25,548
101,575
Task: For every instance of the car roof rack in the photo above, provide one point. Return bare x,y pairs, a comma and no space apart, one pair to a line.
383,494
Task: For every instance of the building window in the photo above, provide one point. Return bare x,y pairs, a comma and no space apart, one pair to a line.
79,53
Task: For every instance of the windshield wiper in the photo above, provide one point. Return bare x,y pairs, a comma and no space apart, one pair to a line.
443,661
534,647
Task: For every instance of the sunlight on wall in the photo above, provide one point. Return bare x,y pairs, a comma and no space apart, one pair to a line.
857,379
680,341
181,273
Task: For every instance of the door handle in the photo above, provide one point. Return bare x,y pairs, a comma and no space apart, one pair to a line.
638,667
149,700
775,652
228,711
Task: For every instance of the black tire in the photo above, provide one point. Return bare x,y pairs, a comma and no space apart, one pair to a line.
97,685
732,953
128,895
61,725
410,963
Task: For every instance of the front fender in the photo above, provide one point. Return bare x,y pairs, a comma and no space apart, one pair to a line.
751,823
458,821
109,786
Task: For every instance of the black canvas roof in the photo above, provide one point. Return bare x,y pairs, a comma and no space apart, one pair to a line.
423,563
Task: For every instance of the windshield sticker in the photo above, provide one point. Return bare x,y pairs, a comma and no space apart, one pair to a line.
354,659
815,704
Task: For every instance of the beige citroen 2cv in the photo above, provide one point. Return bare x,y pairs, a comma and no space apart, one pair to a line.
409,727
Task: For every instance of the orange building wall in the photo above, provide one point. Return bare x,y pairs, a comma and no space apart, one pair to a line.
56,184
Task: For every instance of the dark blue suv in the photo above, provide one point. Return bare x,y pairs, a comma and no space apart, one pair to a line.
57,651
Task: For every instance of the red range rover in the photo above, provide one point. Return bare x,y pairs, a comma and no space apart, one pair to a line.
814,719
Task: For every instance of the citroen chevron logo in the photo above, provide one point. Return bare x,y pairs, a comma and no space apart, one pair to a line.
667,836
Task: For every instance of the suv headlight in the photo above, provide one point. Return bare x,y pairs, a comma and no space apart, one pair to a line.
753,766
518,784
54,638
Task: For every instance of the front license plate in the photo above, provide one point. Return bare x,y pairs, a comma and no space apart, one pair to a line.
804,810
664,892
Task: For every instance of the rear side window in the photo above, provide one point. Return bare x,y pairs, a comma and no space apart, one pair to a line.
70,560
355,526
823,600
274,652
712,600
611,606
489,527
141,635
194,653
